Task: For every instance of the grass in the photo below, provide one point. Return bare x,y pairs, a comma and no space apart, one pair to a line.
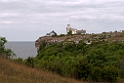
11,72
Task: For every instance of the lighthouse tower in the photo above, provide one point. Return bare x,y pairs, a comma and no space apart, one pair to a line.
68,28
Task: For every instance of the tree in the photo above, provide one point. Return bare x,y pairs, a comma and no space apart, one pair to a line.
82,70
97,74
122,67
42,45
101,60
9,53
110,73
69,47
2,42
122,31
30,61
97,57
70,32
5,52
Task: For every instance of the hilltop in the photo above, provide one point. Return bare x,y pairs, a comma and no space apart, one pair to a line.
12,72
87,38
88,57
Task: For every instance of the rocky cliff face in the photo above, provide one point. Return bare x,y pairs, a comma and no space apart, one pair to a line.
51,40
87,38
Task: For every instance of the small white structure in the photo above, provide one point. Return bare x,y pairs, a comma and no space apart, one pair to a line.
74,31
52,33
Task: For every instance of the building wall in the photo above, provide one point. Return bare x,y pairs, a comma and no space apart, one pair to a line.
74,31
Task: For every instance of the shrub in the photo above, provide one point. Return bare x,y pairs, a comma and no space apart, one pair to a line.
70,32
7,53
82,70
30,61
97,74
110,73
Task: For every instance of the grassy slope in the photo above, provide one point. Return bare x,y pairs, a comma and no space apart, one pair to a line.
11,72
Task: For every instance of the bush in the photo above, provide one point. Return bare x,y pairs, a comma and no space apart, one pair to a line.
70,32
110,73
82,61
97,74
7,53
82,70
61,35
19,60
30,62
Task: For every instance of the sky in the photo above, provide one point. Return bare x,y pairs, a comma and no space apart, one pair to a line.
27,20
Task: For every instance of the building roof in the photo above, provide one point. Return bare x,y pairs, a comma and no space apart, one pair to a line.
51,33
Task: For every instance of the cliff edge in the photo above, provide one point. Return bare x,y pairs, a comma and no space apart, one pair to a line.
87,38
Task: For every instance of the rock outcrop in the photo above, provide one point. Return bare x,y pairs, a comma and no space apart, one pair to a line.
56,39
87,38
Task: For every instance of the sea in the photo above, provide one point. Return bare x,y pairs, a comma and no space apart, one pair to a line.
22,49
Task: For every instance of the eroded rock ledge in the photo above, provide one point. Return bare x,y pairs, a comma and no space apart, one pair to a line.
51,40
87,38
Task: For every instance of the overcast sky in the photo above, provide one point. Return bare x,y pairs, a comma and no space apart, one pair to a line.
27,20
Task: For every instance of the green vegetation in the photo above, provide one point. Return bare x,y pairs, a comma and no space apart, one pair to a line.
61,35
5,52
69,33
13,72
99,61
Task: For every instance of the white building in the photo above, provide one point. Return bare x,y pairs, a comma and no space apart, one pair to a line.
52,33
74,31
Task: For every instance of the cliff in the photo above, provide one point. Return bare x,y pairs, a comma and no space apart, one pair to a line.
55,39
87,38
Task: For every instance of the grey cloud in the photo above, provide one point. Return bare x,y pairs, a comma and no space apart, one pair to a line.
41,16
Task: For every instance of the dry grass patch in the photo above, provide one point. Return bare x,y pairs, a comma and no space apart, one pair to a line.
11,72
